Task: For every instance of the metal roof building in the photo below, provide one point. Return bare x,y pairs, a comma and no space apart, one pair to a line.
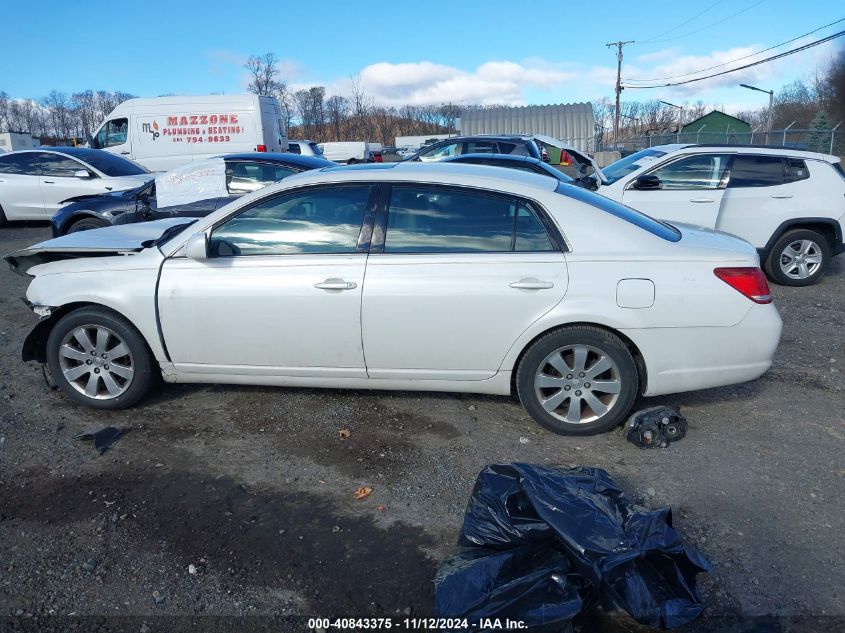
571,123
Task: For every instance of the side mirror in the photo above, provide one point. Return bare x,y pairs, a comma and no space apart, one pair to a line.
647,181
83,173
197,247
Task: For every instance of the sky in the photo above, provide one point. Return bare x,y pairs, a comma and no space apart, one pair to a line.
516,52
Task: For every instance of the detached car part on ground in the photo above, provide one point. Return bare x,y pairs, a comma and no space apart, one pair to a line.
788,203
443,277
203,187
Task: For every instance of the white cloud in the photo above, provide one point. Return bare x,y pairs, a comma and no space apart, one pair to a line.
424,83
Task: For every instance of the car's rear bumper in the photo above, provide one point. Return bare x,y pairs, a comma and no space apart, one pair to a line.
686,359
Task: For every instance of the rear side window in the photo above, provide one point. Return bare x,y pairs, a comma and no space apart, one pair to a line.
293,148
443,220
638,219
25,164
757,171
244,177
480,147
796,169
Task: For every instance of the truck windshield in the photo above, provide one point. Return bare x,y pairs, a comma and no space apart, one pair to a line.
629,164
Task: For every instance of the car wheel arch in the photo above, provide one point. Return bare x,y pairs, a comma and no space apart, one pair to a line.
35,344
639,360
828,227
78,217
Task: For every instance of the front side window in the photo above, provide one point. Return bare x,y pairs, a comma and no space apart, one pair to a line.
108,163
757,171
440,151
25,164
318,221
441,220
701,171
243,177
59,166
113,133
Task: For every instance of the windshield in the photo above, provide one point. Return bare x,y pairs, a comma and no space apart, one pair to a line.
106,162
630,164
641,220
173,231
316,149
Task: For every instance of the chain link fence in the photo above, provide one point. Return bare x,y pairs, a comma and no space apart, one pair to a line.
830,141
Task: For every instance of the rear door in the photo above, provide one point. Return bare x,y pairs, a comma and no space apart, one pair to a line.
454,277
691,190
20,186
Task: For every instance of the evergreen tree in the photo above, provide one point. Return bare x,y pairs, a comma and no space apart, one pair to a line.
819,137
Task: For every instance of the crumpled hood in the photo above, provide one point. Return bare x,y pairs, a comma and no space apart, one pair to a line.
581,157
122,239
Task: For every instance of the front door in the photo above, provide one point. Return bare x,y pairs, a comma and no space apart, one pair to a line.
281,292
20,186
460,276
59,182
691,190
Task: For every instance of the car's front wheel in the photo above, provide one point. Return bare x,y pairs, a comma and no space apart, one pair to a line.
798,258
578,380
86,224
100,359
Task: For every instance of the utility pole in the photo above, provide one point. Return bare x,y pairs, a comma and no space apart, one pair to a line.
618,46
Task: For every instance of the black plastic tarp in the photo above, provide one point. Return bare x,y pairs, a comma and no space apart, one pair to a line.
542,543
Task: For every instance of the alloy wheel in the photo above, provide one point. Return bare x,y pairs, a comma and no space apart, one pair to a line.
96,362
801,259
578,384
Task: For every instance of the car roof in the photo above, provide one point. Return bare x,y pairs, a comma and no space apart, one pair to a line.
746,149
465,174
505,158
309,162
487,137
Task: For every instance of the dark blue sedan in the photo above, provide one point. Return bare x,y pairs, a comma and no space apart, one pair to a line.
523,163
244,173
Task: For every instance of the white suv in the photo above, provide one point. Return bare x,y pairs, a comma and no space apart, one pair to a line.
789,204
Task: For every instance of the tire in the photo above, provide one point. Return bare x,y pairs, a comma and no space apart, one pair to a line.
573,348
86,224
799,258
352,161
69,356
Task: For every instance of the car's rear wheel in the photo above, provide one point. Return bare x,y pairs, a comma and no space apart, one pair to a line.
798,258
99,359
86,224
578,380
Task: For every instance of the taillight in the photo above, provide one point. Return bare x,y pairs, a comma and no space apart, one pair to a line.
749,281
261,148
377,158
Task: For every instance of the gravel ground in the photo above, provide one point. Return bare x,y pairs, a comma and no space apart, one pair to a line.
237,502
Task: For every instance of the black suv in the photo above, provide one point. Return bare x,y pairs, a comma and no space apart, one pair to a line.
512,144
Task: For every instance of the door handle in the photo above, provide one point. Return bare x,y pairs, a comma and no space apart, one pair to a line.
702,200
336,284
49,182
125,153
532,283
782,196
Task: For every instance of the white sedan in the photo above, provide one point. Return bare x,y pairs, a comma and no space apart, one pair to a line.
406,276
34,182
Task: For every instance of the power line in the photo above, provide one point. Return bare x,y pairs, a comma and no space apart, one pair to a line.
757,63
704,28
738,59
676,27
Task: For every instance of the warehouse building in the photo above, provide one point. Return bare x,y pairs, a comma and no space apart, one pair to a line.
572,123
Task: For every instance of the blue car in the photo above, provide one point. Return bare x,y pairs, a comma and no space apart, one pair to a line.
523,163
244,173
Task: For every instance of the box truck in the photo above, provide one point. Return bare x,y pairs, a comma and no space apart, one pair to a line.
165,132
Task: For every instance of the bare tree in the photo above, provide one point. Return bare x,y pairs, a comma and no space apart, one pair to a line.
263,71
337,108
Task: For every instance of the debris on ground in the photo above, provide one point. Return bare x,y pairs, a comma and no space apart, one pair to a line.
544,544
344,434
655,427
103,438
363,491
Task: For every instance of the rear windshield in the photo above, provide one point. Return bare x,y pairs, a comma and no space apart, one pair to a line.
638,219
106,162
315,148
629,164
